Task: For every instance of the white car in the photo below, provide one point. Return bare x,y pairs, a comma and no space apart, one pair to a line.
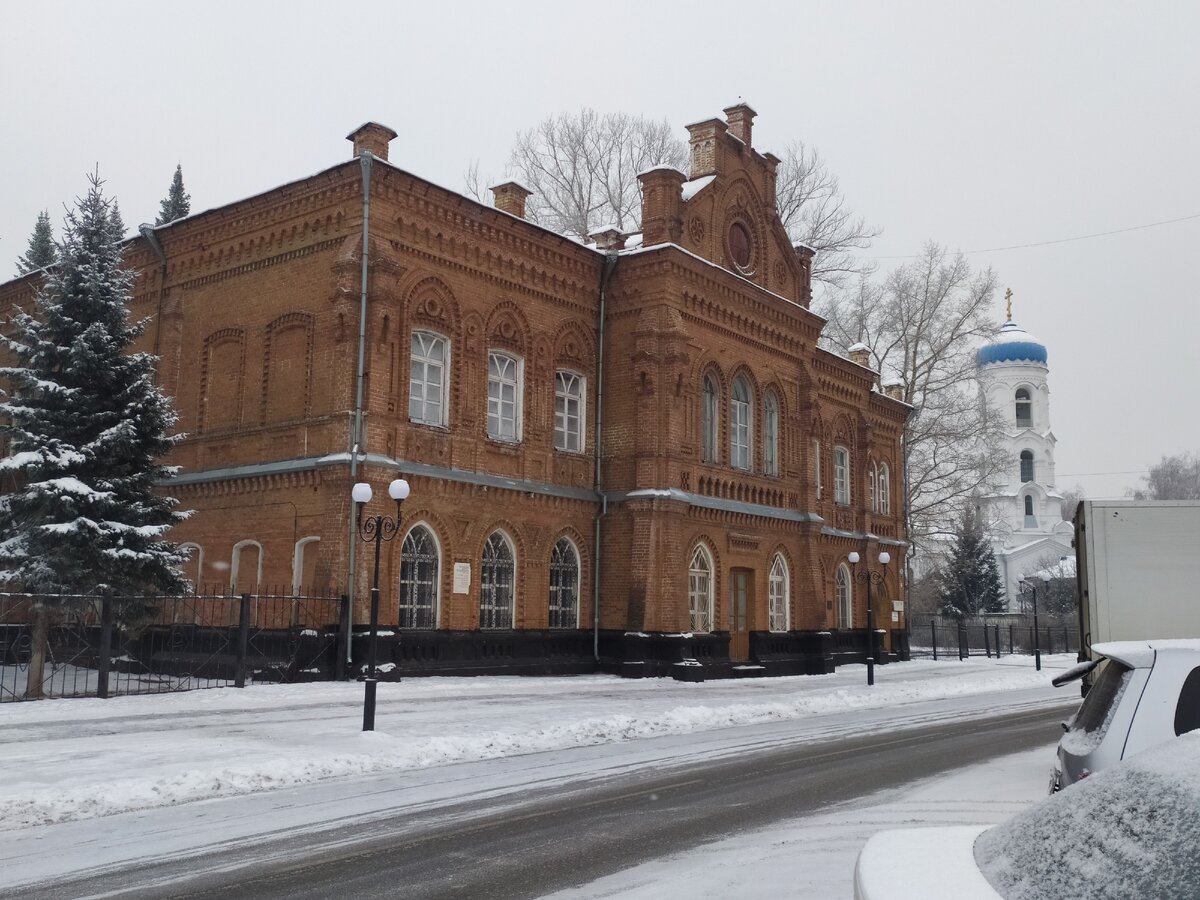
1143,693
1128,833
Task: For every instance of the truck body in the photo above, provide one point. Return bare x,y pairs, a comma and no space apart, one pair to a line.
1138,567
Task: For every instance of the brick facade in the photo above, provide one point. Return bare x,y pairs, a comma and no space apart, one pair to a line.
255,311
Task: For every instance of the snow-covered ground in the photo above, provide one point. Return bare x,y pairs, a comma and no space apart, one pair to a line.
115,775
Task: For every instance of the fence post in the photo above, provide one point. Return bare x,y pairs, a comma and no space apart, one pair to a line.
987,642
239,676
1010,639
962,638
933,631
104,663
997,627
339,654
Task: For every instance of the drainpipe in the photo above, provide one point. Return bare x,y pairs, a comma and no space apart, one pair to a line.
610,263
152,239
357,438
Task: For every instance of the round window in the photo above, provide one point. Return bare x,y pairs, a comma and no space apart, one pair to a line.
739,245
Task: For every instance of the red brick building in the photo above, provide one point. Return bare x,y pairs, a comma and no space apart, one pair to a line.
737,465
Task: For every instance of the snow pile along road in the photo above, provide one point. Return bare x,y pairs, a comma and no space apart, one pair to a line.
74,759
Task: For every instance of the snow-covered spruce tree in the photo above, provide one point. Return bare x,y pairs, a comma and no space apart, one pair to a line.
86,426
177,203
970,582
42,251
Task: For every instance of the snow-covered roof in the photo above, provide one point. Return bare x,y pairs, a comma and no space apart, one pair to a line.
691,188
1012,344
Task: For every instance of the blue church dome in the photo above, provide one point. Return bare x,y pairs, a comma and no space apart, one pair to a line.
1012,344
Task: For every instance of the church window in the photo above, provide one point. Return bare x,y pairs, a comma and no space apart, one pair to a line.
497,578
845,598
504,397
777,588
568,411
1026,466
564,585
427,383
1030,518
885,490
771,435
419,579
841,476
740,425
1024,409
872,487
817,477
700,590
708,420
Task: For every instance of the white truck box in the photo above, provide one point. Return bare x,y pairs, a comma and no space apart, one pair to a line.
1138,565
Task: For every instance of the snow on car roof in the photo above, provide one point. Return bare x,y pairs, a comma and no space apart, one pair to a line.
1140,654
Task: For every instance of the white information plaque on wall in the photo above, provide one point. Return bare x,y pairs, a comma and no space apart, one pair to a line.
462,578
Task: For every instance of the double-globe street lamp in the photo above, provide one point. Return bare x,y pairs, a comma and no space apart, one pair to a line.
1030,585
375,530
869,577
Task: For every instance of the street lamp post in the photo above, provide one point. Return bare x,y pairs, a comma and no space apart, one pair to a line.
375,530
868,576
1037,648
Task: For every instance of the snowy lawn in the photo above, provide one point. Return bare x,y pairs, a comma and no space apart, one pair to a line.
67,760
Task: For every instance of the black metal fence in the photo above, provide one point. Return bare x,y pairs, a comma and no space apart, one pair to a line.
84,646
942,639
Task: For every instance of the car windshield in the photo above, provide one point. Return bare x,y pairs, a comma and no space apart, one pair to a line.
1130,831
1110,679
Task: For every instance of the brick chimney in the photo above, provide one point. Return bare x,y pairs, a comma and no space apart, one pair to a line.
608,238
510,197
894,388
860,354
705,139
741,119
371,136
662,205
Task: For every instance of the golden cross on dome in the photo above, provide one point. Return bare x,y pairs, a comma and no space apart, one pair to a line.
1008,300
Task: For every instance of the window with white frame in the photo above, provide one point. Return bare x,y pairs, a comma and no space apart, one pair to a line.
841,476
771,435
708,420
1024,408
885,490
497,583
1026,466
872,486
817,476
564,585
419,567
845,598
778,585
505,374
700,590
568,411
427,381
740,425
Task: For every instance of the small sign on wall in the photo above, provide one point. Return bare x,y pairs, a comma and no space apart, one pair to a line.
462,577
895,617
898,605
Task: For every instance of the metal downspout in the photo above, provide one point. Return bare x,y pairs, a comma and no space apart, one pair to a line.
610,263
357,438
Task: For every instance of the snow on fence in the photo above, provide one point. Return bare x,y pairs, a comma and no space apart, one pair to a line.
938,639
56,645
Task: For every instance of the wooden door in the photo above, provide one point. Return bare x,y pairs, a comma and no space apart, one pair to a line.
739,618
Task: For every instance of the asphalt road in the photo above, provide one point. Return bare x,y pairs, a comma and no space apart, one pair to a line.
562,836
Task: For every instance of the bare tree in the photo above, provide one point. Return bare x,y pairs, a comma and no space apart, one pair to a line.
814,212
922,325
1070,499
1173,478
582,168
476,185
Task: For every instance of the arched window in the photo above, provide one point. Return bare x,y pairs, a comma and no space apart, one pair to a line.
568,411
778,591
564,585
700,590
885,490
845,598
872,487
427,381
1024,409
818,477
708,420
505,374
841,476
1030,519
419,569
304,565
771,435
740,425
497,578
1026,466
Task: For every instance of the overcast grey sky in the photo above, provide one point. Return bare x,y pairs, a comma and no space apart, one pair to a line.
978,125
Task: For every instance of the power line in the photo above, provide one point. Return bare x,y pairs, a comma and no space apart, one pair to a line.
1082,237
1088,474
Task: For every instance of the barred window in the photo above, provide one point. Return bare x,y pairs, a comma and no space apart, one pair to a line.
700,590
841,476
771,435
419,567
427,380
739,425
568,411
504,397
708,420
496,583
778,590
845,598
564,585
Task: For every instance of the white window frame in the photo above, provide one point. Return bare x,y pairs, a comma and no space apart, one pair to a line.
841,476
741,424
434,584
885,490
710,403
494,616
570,410
505,370
701,590
771,435
779,594
562,590
844,594
428,404
817,468
872,487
